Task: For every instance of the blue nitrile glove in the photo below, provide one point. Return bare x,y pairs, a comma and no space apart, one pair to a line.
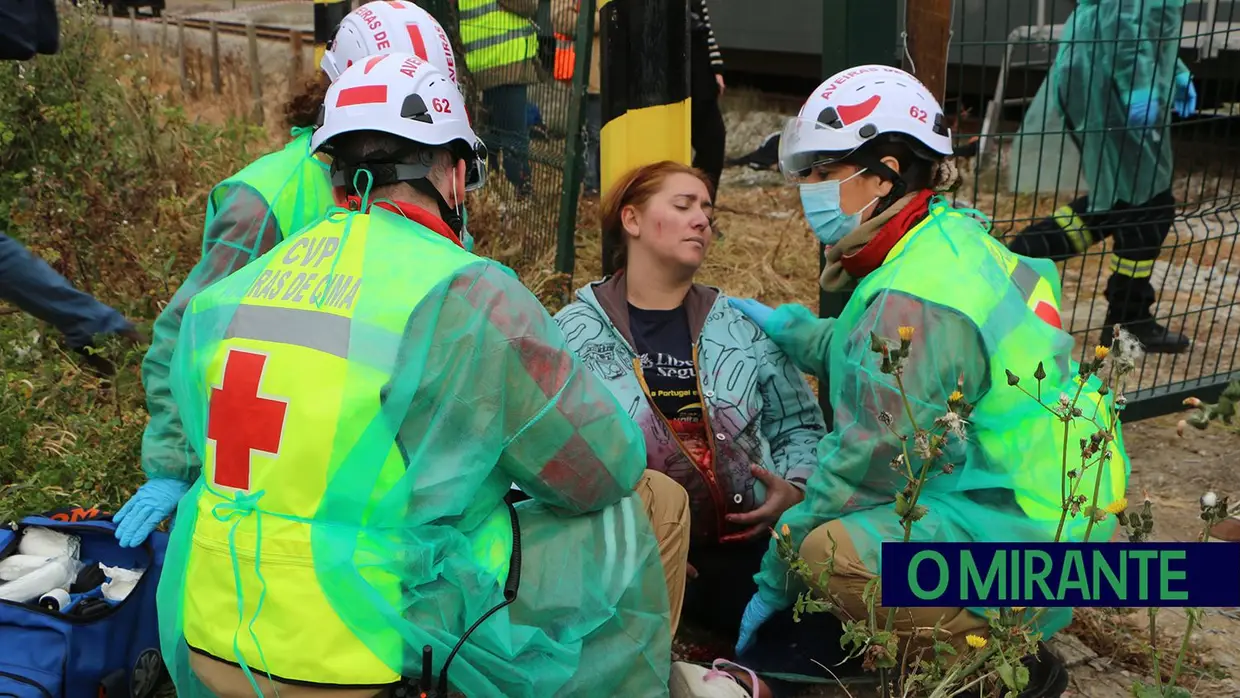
152,503
756,613
1142,109
753,310
1185,102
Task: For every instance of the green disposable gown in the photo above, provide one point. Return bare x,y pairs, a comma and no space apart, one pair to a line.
1109,50
968,300
247,214
478,392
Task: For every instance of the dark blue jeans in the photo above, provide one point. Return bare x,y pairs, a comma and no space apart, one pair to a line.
29,283
508,131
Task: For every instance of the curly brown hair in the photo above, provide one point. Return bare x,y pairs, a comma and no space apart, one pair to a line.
302,110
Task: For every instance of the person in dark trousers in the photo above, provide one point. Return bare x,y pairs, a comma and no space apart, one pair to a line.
1115,84
706,69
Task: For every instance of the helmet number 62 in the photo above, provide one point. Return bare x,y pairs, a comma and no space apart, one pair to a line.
918,113
441,105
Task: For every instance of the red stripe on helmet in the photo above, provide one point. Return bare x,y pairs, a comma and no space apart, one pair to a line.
365,94
372,63
852,113
415,36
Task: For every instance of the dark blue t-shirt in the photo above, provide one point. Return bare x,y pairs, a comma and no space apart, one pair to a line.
665,348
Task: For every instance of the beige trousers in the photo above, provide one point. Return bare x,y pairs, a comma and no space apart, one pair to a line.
846,586
667,505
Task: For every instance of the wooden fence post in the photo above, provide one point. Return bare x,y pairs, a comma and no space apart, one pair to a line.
181,57
929,34
133,29
294,40
256,71
217,80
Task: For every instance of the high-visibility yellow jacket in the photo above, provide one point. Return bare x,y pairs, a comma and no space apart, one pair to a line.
500,46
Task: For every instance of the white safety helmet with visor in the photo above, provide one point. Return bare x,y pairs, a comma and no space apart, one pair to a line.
404,96
853,107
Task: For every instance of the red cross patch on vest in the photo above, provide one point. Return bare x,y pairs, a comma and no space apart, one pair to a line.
240,422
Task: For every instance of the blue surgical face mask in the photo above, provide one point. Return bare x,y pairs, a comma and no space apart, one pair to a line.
821,201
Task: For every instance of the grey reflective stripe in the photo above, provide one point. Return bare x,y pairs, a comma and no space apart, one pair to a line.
1026,279
520,33
311,329
476,12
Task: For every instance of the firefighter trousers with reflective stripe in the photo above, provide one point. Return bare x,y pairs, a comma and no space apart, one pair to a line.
1137,232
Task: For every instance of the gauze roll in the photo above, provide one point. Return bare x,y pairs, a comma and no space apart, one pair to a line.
18,566
48,543
57,574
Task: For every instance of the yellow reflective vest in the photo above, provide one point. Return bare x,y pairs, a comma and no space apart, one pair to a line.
493,37
950,238
294,382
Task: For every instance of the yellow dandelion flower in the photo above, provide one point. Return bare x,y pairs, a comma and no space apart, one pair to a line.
1117,507
977,642
906,333
1101,352
955,397
785,530
1018,609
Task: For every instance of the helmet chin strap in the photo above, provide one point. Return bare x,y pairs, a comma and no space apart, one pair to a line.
899,187
449,215
385,173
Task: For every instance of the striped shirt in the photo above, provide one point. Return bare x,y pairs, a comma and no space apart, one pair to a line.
701,23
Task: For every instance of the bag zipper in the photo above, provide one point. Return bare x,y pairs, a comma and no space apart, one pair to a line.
707,473
77,620
28,682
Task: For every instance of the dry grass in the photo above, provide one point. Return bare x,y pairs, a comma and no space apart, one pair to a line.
1122,637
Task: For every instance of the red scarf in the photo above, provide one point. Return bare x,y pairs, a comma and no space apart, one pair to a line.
870,257
417,214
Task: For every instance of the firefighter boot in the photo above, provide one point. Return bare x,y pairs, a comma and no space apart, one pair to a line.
1130,302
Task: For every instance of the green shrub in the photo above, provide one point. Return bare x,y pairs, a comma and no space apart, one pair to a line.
103,172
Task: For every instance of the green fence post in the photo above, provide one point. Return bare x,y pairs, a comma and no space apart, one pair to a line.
565,246
854,32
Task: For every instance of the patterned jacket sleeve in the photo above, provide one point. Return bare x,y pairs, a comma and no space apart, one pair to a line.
792,420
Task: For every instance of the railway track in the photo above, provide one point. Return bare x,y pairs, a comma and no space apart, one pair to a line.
264,31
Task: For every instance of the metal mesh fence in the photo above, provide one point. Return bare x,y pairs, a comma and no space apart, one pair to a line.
1140,205
526,106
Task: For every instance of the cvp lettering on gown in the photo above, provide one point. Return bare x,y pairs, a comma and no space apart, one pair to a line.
303,276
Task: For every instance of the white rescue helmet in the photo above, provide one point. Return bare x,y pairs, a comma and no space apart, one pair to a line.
405,96
854,106
388,26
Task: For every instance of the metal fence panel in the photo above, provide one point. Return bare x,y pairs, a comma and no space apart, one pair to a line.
1042,144
507,57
